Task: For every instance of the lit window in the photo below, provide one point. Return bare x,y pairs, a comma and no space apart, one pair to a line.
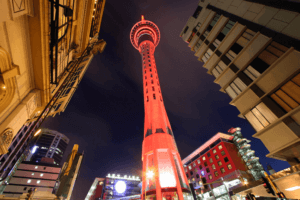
210,160
223,153
217,157
194,164
229,166
42,175
222,170
38,181
216,174
214,151
185,169
203,158
32,174
198,161
193,179
219,163
213,166
35,167
220,147
210,177
29,180
190,167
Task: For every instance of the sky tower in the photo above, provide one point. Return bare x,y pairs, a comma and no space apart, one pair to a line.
163,173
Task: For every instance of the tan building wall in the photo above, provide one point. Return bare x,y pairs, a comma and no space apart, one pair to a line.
25,35
249,48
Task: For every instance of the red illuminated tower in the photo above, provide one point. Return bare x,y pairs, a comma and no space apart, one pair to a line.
163,173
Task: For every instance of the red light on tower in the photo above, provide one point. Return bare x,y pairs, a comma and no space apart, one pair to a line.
163,173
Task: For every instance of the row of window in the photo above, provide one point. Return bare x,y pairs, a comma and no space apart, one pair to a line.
218,40
216,173
286,97
207,31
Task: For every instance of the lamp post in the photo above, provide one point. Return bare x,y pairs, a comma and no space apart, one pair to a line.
149,175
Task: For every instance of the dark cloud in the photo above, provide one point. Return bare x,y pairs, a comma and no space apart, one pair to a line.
106,114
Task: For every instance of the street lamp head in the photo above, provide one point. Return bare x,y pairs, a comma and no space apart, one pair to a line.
38,132
150,174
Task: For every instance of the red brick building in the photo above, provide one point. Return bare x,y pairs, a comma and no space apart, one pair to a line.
217,160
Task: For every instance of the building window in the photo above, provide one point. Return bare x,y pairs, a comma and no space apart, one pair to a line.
210,177
220,147
153,88
194,164
223,33
208,154
205,164
150,70
32,174
160,98
226,159
222,170
229,166
210,160
217,157
288,96
235,88
35,167
145,72
198,161
146,91
185,169
264,60
151,75
213,166
38,181
191,172
197,176
190,167
147,99
221,66
207,170
214,151
146,83
200,166
145,77
151,81
193,179
260,116
154,96
216,174
223,153
203,158
29,181
219,163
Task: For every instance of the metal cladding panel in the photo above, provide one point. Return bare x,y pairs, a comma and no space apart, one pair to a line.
256,45
231,37
227,76
211,63
207,21
217,28
201,50
278,71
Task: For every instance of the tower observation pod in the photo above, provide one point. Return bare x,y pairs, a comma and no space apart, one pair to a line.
163,173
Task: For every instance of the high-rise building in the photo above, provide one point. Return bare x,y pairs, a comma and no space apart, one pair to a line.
115,186
49,144
252,50
163,175
69,174
31,175
40,44
217,167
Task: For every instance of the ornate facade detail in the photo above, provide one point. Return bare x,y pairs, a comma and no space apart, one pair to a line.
6,138
7,73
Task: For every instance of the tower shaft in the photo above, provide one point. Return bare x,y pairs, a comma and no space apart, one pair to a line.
163,173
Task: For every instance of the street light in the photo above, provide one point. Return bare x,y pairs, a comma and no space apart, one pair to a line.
38,132
149,175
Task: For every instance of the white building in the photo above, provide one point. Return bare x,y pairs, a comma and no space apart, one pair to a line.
30,175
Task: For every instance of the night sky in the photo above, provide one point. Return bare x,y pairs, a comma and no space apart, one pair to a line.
106,114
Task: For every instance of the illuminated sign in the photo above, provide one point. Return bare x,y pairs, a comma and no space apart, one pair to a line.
118,176
120,187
